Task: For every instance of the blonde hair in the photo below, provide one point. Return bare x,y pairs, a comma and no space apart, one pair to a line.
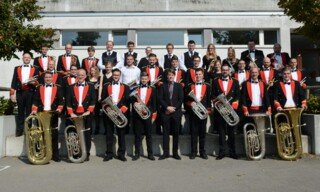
97,74
211,55
233,52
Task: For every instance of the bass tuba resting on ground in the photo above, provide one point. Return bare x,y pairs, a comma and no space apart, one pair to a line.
114,113
288,132
254,136
38,138
197,107
75,140
223,106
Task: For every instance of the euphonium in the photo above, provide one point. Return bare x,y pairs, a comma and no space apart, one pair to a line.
75,140
141,108
114,113
288,133
197,107
254,136
226,111
38,138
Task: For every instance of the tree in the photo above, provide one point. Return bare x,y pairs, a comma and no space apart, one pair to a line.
17,32
306,12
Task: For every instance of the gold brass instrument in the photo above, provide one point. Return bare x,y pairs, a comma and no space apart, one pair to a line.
141,108
197,107
254,136
38,138
152,84
223,106
114,113
75,140
132,84
30,80
288,132
271,83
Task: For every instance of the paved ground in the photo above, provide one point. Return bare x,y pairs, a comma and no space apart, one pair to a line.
162,176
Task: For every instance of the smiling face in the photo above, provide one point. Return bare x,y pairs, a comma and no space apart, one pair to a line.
26,58
199,76
144,80
152,60
48,78
196,62
254,73
82,75
51,65
225,71
286,74
116,76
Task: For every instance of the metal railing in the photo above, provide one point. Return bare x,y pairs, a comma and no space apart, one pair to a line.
4,88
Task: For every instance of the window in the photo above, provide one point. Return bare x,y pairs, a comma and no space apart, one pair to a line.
120,37
270,37
235,37
84,38
196,36
160,37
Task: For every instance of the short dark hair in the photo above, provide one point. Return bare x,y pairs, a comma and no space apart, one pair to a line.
144,74
116,70
47,72
130,43
169,70
152,55
74,66
225,64
196,57
251,40
91,48
191,42
169,44
130,56
199,69
174,58
26,52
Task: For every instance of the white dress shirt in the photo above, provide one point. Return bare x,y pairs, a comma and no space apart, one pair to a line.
252,55
44,63
241,77
47,98
80,88
25,73
101,64
129,74
225,86
115,93
267,75
289,96
198,90
256,95
143,94
278,58
182,65
68,62
294,75
73,80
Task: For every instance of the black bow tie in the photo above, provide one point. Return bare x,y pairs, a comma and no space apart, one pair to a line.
225,79
266,69
151,66
241,71
115,83
91,58
252,51
198,83
68,55
293,70
279,54
26,65
48,85
287,83
142,86
81,84
44,56
254,81
73,76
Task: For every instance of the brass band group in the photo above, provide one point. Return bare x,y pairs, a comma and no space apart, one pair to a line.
128,92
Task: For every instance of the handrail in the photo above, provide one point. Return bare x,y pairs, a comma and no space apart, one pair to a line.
4,88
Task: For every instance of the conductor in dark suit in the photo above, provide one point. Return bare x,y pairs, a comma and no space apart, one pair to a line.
252,54
170,100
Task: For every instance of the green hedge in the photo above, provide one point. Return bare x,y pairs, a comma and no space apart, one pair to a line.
313,105
6,106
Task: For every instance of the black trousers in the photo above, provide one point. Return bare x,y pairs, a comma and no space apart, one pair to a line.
121,132
24,102
54,136
197,130
224,129
171,122
97,117
141,127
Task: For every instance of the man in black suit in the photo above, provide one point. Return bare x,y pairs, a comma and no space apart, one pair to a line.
289,93
22,90
119,93
136,56
279,59
148,96
49,97
186,60
80,100
252,55
42,61
66,60
198,127
165,61
230,88
145,60
191,72
170,100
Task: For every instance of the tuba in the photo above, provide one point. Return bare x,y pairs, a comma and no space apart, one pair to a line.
288,132
197,107
114,113
75,140
38,138
223,106
141,108
254,136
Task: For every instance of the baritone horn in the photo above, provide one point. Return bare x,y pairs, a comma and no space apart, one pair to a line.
114,113
75,140
38,138
197,107
288,133
254,136
223,106
141,108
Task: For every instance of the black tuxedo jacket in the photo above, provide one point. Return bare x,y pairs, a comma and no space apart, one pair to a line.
151,99
298,94
164,98
205,96
38,62
16,84
61,66
85,64
259,56
57,101
190,76
233,91
124,100
88,102
285,58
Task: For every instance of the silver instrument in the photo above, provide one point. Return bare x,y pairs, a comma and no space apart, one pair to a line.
155,81
114,113
303,81
197,107
254,136
30,80
141,108
75,140
223,106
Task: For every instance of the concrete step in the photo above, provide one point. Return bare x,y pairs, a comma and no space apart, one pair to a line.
15,146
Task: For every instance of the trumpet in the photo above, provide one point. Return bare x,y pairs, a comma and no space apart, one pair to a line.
271,83
114,113
152,84
75,140
197,107
303,81
30,80
223,106
141,108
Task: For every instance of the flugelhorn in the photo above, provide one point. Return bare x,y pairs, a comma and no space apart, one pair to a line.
75,140
141,108
223,106
197,107
114,113
38,138
288,132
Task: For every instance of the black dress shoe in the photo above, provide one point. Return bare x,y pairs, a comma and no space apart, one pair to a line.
234,156
204,156
108,158
96,132
122,158
151,157
162,157
88,158
220,157
136,157
56,159
176,156
192,156
19,133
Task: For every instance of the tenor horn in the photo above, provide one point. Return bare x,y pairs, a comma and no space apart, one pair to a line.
114,113
223,106
38,138
288,133
197,107
141,108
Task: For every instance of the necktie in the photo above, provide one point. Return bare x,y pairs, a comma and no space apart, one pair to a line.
266,69
109,53
225,79
44,56
151,66
251,51
26,65
293,70
170,90
169,56
68,54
